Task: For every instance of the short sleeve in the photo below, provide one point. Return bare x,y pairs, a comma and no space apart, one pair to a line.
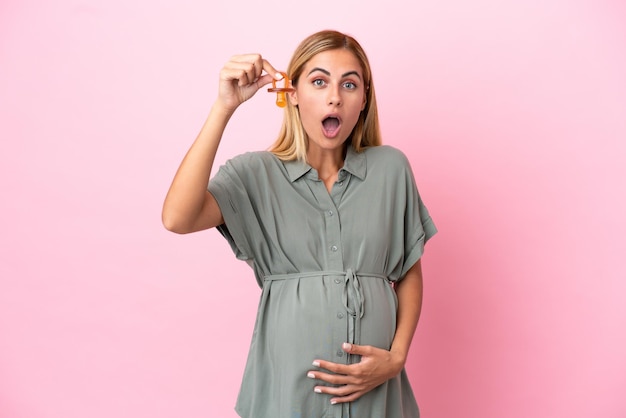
241,224
418,225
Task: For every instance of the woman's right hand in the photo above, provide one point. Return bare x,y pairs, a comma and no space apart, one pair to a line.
241,77
188,206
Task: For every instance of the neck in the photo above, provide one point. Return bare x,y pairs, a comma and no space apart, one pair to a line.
327,163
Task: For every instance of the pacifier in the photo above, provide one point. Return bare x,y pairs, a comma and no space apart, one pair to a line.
281,98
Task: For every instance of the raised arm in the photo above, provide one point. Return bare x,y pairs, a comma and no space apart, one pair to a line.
188,206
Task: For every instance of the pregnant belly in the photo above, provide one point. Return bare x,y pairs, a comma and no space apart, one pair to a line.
308,317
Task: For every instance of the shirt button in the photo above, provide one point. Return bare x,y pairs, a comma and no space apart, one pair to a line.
334,248
338,281
330,213
340,315
339,353
341,183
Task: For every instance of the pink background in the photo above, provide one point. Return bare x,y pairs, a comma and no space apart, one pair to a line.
513,114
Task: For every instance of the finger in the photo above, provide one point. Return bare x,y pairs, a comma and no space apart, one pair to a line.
269,68
264,80
356,349
341,391
341,394
334,379
234,75
350,398
246,71
333,367
255,69
258,64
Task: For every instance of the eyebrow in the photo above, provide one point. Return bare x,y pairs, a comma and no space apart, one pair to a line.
328,72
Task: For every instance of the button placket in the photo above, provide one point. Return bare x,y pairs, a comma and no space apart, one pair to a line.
328,204
332,231
333,236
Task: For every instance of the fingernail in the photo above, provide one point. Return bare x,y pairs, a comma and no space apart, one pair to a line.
278,76
317,390
332,402
311,375
347,346
316,363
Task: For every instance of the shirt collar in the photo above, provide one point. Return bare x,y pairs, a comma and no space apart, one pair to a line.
355,164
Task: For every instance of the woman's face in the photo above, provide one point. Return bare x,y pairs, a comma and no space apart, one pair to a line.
330,95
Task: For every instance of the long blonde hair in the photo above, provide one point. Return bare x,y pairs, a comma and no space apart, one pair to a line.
292,140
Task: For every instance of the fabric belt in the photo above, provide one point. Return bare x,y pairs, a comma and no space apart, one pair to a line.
352,298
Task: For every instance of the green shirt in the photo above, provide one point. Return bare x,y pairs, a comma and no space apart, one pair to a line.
325,262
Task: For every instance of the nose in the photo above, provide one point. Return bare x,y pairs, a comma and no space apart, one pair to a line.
334,97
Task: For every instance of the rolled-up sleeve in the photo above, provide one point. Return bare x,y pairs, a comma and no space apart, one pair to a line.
418,225
240,220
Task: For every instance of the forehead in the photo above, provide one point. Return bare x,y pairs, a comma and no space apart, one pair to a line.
335,61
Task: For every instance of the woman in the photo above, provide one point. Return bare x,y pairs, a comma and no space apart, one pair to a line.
334,228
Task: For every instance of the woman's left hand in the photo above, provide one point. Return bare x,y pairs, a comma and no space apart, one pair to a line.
354,380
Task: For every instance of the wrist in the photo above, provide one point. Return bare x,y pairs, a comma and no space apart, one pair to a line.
398,359
222,110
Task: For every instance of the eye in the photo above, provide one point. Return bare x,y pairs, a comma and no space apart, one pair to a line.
349,85
318,82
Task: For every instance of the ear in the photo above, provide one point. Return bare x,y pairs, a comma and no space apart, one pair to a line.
364,102
293,97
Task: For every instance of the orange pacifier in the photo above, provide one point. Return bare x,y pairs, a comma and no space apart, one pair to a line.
281,98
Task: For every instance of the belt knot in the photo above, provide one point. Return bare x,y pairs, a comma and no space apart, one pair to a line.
353,295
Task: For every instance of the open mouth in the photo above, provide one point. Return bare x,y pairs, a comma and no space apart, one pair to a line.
331,126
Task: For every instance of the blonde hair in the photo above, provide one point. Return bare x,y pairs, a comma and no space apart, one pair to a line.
292,140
